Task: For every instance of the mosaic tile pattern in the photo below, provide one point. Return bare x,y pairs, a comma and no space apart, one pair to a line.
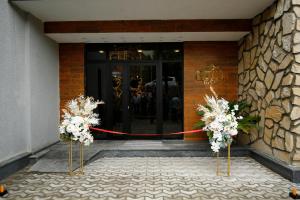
161,178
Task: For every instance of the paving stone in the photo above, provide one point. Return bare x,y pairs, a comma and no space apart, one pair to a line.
277,26
268,135
297,58
278,54
296,91
286,105
247,60
288,23
278,143
277,80
282,155
288,79
286,61
279,38
287,5
286,42
297,81
154,178
269,123
286,92
279,9
267,27
297,37
268,55
260,89
298,141
280,133
263,65
274,66
289,141
296,2
296,48
296,101
269,78
285,123
295,113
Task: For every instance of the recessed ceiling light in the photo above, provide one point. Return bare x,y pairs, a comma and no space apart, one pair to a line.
101,51
176,50
140,50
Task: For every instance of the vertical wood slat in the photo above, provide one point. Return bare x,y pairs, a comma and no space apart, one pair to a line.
198,55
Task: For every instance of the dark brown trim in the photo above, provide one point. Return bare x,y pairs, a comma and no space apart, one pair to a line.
199,25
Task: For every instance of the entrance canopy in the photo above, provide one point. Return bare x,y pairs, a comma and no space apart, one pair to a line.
100,21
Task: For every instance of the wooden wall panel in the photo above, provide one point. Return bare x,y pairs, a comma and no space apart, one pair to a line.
191,25
71,71
196,56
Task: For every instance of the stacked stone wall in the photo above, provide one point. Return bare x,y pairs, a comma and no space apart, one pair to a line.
269,80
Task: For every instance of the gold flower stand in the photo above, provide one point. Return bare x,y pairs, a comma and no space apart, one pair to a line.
228,162
70,160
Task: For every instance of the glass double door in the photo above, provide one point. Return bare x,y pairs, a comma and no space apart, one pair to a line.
143,98
134,98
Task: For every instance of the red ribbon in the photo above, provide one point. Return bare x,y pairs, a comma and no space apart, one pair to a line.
141,134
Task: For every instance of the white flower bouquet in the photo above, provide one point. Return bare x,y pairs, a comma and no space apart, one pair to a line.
222,120
77,118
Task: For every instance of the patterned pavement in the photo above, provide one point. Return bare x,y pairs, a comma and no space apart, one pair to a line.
163,178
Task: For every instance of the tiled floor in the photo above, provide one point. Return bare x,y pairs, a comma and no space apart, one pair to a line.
55,160
154,178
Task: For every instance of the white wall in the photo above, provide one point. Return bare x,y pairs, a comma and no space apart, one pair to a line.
29,91
44,85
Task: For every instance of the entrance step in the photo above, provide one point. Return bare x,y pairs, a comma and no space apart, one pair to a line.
235,152
34,157
169,148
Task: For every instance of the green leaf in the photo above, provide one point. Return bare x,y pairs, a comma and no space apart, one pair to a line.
201,113
244,125
200,124
247,123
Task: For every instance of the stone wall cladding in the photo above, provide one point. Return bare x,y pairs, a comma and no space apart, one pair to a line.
295,72
269,79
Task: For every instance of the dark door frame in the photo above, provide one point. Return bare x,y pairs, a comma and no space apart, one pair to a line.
106,68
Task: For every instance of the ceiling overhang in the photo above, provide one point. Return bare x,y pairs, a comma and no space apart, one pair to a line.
144,20
109,10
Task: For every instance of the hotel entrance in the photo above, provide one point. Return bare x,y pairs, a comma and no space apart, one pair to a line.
142,86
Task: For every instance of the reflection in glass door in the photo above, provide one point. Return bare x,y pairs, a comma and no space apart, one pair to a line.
142,98
172,98
141,85
117,97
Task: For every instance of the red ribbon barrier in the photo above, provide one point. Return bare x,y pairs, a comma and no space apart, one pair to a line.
141,134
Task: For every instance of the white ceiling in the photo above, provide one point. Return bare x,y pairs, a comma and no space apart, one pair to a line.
145,37
81,10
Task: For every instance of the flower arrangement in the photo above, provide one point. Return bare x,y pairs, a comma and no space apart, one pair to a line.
222,120
77,118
